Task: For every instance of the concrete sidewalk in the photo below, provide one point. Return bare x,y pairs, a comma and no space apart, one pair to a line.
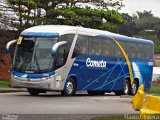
4,90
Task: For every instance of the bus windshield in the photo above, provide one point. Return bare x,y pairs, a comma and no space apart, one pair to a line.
33,54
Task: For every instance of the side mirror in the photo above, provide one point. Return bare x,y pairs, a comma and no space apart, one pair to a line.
56,46
9,44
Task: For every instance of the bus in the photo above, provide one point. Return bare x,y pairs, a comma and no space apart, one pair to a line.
67,59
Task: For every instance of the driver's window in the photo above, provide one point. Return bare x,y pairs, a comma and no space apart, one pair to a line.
63,51
61,56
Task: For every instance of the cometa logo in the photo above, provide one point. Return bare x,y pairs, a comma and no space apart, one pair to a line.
94,63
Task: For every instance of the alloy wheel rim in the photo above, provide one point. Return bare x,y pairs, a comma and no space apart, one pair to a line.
126,88
134,88
69,87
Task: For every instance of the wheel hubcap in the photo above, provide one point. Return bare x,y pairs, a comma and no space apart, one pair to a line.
69,87
134,88
126,89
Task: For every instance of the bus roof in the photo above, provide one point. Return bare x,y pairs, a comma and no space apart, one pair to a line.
57,30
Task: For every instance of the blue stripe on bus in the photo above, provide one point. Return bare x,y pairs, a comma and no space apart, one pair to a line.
26,75
34,34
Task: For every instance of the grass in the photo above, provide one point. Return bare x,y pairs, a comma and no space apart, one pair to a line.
154,90
4,83
127,117
115,117
109,118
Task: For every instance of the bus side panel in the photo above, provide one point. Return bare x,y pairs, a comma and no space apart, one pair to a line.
110,77
142,69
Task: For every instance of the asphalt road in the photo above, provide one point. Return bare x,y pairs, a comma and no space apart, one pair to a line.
54,103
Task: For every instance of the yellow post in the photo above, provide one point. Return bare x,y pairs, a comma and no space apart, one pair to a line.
138,99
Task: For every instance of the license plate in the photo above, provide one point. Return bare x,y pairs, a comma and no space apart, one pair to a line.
28,85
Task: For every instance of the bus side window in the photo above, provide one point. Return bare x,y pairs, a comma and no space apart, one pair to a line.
118,52
76,52
132,49
81,47
61,56
149,53
107,47
141,51
94,46
69,38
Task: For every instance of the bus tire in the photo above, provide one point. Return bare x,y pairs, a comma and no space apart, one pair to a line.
33,92
118,93
96,92
134,88
70,88
126,88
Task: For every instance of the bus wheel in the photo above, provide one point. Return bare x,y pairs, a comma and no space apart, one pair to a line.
91,92
70,88
96,92
126,87
117,93
33,92
134,88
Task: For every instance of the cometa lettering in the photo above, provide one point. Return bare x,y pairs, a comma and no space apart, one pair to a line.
94,63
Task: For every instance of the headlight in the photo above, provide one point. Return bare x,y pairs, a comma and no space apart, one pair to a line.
14,76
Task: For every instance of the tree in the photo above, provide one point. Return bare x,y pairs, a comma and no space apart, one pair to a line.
128,27
86,17
70,12
148,26
25,11
147,21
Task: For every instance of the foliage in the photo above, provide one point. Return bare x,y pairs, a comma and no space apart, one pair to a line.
128,27
116,117
86,17
149,26
69,12
144,25
147,21
98,14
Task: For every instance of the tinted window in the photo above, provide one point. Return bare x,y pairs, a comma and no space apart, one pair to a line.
108,47
132,49
81,46
149,53
69,38
61,57
94,46
118,51
82,42
63,51
141,51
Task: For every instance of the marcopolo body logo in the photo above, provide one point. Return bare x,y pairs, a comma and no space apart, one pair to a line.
95,63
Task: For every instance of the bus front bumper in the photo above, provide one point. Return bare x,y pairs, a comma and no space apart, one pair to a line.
44,84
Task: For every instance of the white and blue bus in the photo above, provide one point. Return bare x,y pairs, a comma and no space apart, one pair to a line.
68,59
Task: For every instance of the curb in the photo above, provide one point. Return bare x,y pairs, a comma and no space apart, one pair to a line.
6,90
